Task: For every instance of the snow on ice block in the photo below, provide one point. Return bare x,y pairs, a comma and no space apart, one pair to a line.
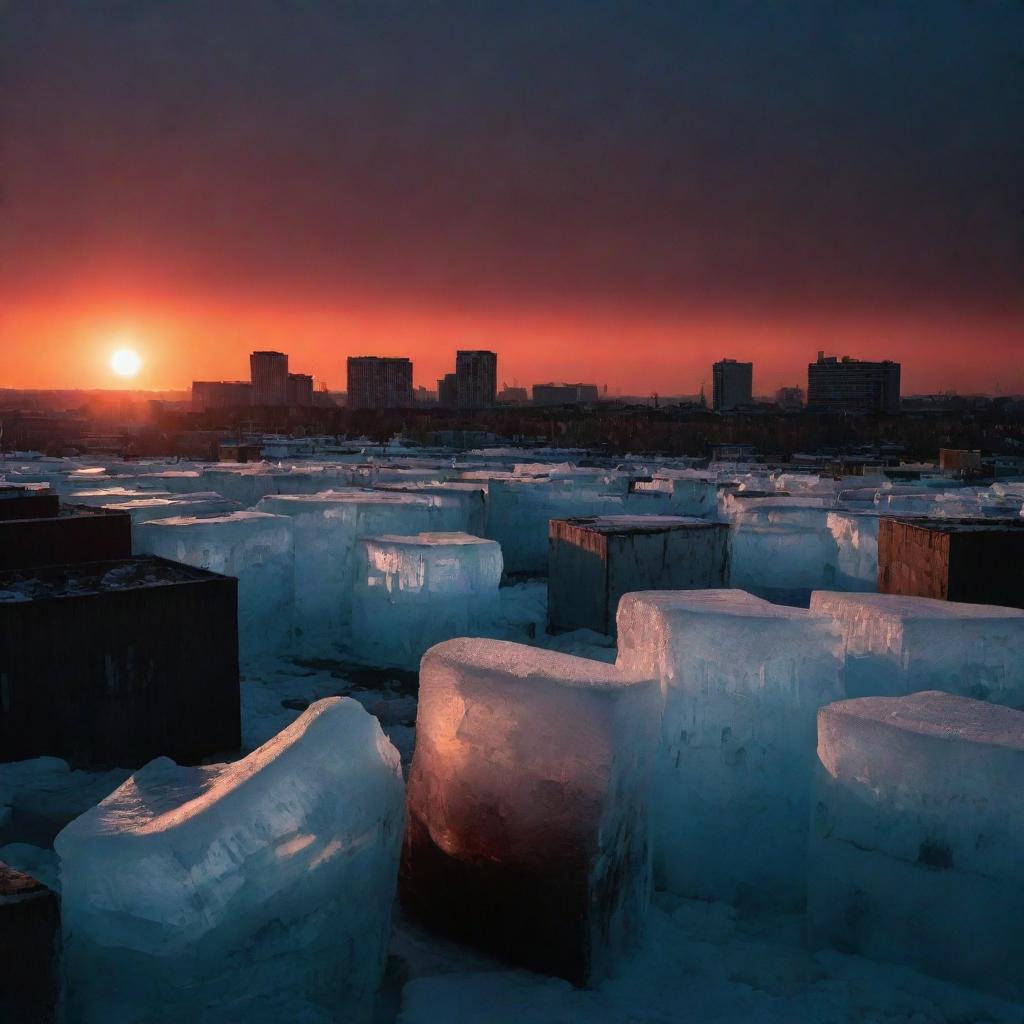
259,890
593,561
897,645
254,547
743,680
201,503
326,529
917,847
414,592
527,830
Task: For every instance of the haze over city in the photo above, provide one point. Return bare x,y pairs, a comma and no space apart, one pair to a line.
599,191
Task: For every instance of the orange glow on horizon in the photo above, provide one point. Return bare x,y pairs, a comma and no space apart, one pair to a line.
55,344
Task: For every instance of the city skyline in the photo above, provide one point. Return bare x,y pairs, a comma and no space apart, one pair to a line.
669,181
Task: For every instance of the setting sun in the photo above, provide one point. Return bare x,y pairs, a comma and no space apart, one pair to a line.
125,362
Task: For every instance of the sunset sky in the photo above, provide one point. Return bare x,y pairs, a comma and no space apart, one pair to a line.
610,192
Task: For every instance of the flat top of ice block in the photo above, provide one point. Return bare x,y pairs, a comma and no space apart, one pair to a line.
421,540
178,499
898,606
781,501
352,495
715,602
939,715
229,518
163,796
117,492
523,662
640,523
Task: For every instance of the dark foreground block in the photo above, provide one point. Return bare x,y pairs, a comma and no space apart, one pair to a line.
118,662
29,925
22,503
527,826
978,561
68,536
594,560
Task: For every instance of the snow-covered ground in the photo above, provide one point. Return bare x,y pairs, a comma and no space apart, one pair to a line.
700,962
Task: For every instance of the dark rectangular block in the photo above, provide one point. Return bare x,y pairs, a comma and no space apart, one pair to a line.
21,503
115,663
29,926
594,560
73,534
979,561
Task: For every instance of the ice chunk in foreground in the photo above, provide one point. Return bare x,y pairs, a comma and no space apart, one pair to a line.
414,592
252,546
897,645
527,829
917,842
743,680
253,891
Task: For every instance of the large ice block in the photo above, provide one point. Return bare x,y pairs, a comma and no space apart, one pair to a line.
780,547
519,510
254,547
259,890
917,843
897,645
527,829
414,592
743,680
326,529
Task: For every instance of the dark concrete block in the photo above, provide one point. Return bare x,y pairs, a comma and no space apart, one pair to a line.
21,503
29,929
978,561
71,535
594,560
115,663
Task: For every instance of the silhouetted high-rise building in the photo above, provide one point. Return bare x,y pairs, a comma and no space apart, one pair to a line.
269,374
300,389
853,385
379,382
732,385
447,391
476,378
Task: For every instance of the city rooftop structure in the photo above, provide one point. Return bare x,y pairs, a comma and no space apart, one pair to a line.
853,385
380,382
732,385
